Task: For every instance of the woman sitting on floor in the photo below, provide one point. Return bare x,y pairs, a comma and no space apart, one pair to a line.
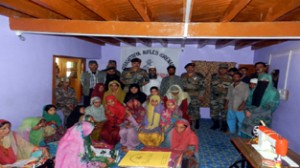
128,132
115,114
13,147
181,137
96,110
53,120
150,133
99,91
74,148
75,115
135,92
170,114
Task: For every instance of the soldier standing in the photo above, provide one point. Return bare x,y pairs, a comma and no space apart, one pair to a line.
193,84
219,87
134,75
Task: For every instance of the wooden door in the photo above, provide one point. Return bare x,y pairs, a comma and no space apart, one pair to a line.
69,67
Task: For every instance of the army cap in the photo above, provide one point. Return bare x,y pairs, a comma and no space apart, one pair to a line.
189,64
136,60
223,65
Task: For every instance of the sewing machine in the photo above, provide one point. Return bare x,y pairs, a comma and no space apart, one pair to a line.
270,140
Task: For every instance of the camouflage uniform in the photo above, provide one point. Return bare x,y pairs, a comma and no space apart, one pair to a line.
194,86
219,89
129,77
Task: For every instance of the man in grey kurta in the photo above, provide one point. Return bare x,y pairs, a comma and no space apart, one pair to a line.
193,84
170,80
236,98
89,79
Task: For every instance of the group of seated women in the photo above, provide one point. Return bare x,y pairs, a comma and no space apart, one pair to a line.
129,119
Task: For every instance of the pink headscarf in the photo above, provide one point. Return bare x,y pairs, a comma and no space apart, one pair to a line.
71,147
181,141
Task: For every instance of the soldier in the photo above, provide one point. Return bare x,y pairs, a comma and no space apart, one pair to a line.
193,84
219,87
134,75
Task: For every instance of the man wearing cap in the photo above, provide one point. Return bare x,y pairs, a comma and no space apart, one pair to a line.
154,80
193,84
219,87
134,75
89,79
170,80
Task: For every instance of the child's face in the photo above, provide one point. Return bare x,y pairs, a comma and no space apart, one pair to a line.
101,89
111,102
81,110
180,128
154,92
171,105
154,102
52,111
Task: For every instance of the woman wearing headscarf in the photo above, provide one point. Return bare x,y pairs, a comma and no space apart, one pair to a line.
73,149
96,110
182,99
115,114
13,147
181,137
261,103
135,114
75,115
98,91
150,133
114,88
169,115
135,92
53,120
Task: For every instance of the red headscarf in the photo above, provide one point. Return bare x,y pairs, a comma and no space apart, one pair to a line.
118,110
182,140
96,91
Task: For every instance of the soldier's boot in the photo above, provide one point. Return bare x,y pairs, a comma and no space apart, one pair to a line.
224,126
216,124
197,125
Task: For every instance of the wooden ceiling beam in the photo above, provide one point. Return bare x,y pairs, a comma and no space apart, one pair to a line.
12,13
99,8
91,40
234,8
30,8
187,10
141,7
244,43
97,28
129,41
247,30
70,9
280,8
202,43
223,43
265,43
146,42
108,40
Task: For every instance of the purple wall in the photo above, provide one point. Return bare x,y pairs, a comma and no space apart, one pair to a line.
26,70
286,117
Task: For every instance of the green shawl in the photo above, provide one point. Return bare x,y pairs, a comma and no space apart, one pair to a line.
35,136
54,117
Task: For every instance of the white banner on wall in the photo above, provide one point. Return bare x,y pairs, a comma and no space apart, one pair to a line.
161,58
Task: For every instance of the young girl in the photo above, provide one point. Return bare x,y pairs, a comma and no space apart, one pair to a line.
115,114
170,115
150,133
53,120
128,132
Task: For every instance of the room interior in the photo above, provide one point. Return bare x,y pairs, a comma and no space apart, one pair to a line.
245,32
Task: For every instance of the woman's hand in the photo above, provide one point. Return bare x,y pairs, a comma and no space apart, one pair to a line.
45,152
248,113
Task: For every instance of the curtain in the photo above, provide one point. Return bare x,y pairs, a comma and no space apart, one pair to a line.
207,68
